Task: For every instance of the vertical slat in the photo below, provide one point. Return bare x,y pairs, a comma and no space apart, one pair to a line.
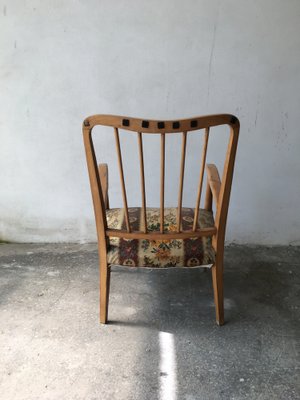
202,167
182,165
142,173
162,181
122,178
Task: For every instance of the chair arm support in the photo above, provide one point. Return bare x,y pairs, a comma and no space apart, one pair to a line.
103,174
213,181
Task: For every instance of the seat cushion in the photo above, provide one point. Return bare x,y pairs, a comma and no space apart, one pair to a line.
190,252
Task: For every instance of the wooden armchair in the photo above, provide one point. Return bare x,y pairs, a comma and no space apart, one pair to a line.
162,237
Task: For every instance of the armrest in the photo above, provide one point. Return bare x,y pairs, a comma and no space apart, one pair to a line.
213,180
103,174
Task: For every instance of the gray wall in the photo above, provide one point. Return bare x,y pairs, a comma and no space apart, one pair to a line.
64,60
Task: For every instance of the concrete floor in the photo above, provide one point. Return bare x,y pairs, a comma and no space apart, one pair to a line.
162,341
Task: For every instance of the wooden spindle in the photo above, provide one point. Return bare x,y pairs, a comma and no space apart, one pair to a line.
162,181
122,178
182,165
142,173
202,167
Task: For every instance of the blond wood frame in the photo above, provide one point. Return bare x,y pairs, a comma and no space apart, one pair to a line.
217,191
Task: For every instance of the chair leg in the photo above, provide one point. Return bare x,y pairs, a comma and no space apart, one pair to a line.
217,279
104,291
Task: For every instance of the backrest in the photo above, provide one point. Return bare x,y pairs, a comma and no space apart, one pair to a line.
163,128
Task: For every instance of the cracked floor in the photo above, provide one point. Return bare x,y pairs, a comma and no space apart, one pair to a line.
161,342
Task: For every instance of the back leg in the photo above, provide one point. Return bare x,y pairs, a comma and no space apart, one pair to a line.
104,291
217,279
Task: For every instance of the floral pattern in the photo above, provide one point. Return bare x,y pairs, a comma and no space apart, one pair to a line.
189,252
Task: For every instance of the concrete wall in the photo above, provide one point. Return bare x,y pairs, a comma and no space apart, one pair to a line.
64,60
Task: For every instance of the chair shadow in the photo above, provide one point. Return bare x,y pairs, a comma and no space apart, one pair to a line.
167,299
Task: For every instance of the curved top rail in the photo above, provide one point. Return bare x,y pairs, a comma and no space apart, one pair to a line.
155,126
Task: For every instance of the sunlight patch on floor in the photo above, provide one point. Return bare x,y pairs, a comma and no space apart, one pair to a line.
167,367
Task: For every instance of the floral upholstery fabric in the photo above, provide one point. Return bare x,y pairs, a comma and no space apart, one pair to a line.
190,252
